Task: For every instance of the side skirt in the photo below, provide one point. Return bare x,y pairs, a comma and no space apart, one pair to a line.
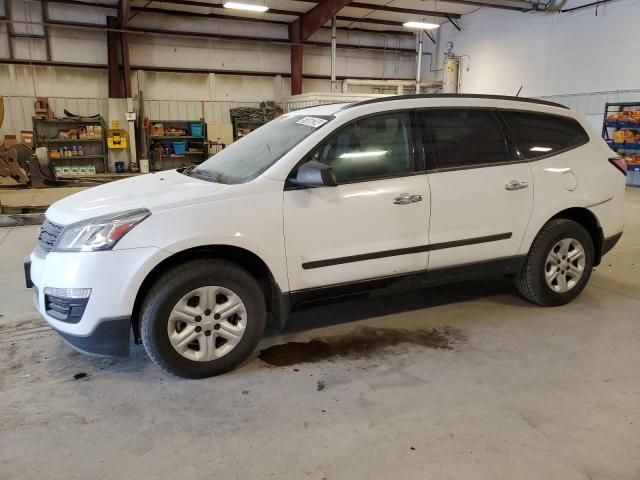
417,280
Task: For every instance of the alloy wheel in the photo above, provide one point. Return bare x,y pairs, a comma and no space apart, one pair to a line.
565,264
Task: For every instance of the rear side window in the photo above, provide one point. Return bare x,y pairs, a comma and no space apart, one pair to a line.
539,134
374,147
463,138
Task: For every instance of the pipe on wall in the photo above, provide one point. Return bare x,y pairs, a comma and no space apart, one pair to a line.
419,61
333,54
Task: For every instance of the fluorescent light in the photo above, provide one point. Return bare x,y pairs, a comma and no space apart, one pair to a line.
246,6
421,25
373,153
540,149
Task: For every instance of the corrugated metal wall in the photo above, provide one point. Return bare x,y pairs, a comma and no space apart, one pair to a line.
20,110
593,103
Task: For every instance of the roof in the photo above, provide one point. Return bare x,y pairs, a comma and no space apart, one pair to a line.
455,95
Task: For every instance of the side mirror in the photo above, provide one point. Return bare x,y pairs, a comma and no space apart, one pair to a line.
315,174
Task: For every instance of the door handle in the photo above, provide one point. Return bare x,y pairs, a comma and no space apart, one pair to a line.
406,199
516,185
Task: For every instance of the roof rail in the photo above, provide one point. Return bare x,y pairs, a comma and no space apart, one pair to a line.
455,95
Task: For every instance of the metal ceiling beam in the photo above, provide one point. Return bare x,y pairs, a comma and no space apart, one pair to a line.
164,11
151,68
410,11
240,38
515,5
451,21
314,19
187,13
385,8
302,28
293,13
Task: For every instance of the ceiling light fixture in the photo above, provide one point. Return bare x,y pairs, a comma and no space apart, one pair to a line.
420,25
246,6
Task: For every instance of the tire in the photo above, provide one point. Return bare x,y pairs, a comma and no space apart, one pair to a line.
163,313
532,281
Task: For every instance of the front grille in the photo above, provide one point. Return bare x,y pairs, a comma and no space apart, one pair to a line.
48,235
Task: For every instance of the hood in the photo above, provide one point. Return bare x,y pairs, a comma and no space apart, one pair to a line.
154,191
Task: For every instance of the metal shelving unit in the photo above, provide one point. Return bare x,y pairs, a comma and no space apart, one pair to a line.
624,148
242,125
94,157
156,144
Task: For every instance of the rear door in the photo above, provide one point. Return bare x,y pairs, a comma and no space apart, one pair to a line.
481,192
375,222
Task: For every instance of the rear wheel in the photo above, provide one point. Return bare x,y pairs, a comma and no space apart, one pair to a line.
203,318
559,264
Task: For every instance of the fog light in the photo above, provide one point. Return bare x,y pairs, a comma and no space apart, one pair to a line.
74,293
66,304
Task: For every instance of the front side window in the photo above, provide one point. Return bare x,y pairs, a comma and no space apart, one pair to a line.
248,157
374,147
463,138
539,134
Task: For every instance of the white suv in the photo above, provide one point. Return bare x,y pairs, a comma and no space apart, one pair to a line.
332,200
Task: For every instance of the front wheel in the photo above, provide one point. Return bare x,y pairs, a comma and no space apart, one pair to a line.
202,318
559,264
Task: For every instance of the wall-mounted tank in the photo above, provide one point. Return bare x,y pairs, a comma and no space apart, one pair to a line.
451,69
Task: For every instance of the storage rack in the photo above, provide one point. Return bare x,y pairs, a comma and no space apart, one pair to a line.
246,119
242,127
45,133
169,161
608,126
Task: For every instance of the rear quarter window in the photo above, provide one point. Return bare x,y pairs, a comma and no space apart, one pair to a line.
539,134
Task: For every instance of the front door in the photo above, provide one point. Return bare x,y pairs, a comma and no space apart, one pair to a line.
481,193
374,223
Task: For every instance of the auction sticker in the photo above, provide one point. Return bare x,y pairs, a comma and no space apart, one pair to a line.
312,122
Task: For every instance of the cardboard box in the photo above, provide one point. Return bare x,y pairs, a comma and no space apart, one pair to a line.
26,138
10,141
97,131
41,105
156,130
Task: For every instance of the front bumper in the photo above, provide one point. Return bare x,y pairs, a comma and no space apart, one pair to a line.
114,278
110,338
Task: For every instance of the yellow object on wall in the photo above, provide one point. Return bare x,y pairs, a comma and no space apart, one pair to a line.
117,138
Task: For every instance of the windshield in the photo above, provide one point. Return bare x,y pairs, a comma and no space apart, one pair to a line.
248,157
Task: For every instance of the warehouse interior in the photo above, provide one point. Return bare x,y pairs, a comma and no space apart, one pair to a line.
469,381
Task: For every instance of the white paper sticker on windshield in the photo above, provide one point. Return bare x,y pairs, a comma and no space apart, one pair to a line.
312,122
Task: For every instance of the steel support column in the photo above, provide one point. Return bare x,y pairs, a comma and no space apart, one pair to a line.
113,56
297,58
301,29
124,11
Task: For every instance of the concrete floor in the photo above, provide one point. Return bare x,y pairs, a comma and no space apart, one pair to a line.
521,392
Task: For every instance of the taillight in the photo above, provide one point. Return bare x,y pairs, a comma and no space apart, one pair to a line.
619,163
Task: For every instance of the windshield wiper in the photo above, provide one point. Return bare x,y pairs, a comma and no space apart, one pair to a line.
206,175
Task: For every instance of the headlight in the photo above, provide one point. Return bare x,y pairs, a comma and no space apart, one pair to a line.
100,233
